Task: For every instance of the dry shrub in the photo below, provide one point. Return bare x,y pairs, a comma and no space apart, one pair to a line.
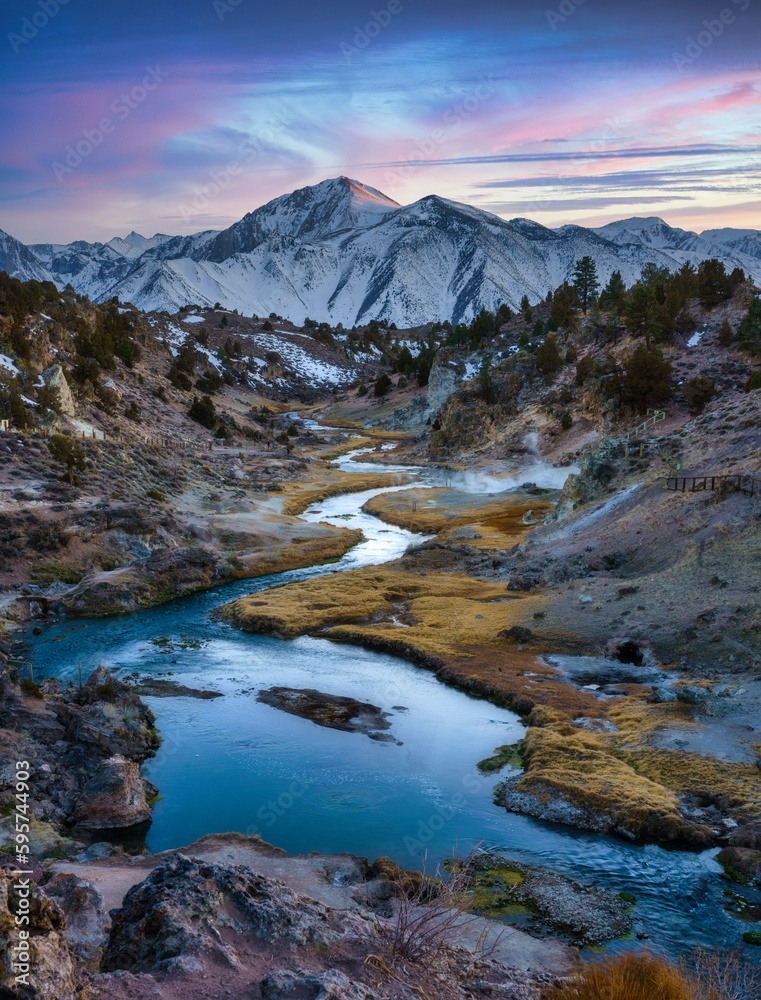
727,975
708,975
631,976
432,916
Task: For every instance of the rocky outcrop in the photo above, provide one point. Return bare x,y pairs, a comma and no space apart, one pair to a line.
54,378
85,913
583,915
166,572
184,911
595,472
115,796
328,985
46,961
330,710
447,372
741,864
85,745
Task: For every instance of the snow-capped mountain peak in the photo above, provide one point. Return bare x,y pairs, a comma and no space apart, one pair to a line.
342,251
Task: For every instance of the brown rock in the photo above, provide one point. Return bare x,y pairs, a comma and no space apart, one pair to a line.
55,972
114,796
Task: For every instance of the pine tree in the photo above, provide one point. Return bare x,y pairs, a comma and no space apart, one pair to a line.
699,391
548,357
485,380
725,334
68,453
564,305
749,330
611,294
203,412
585,281
646,380
382,385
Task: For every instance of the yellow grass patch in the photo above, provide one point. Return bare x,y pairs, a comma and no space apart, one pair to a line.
341,449
427,511
448,623
332,483
297,554
581,767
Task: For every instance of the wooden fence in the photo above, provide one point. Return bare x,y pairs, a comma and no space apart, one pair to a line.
748,485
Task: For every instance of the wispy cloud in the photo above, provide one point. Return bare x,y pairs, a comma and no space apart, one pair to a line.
590,118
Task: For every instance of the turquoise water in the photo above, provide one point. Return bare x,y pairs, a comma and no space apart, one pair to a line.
235,764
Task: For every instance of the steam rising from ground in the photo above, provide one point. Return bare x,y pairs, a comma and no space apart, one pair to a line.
536,471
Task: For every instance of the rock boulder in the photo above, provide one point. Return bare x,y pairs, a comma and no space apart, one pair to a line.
115,796
188,909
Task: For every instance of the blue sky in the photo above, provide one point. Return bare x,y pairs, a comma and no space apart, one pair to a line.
181,116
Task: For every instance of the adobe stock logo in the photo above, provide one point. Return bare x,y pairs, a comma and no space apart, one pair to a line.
711,29
32,26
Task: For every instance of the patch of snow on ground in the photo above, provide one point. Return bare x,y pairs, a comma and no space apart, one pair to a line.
194,319
298,360
5,362
696,338
213,359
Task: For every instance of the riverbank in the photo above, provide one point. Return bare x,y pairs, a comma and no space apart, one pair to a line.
604,746
119,542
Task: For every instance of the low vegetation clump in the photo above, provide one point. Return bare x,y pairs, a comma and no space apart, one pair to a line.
630,976
431,915
707,975
203,412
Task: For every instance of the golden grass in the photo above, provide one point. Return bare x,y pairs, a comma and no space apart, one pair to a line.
581,767
447,623
342,422
297,554
735,787
427,511
380,434
631,976
451,624
332,483
636,720
341,449
635,789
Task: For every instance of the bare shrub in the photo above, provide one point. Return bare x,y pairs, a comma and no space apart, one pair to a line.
433,915
725,974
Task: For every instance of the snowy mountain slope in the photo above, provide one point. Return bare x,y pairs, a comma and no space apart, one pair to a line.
21,262
741,242
311,213
343,252
741,246
726,235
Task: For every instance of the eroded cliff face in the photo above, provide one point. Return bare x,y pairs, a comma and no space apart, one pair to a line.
85,746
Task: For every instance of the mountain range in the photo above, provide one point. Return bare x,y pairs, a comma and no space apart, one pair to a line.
341,251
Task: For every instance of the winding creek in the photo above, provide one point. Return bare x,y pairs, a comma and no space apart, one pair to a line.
233,763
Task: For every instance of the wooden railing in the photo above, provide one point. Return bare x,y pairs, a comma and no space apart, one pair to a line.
608,444
654,417
748,485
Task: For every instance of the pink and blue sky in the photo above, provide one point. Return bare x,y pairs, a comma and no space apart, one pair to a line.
564,111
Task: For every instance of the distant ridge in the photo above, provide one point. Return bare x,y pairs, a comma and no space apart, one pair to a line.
344,252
